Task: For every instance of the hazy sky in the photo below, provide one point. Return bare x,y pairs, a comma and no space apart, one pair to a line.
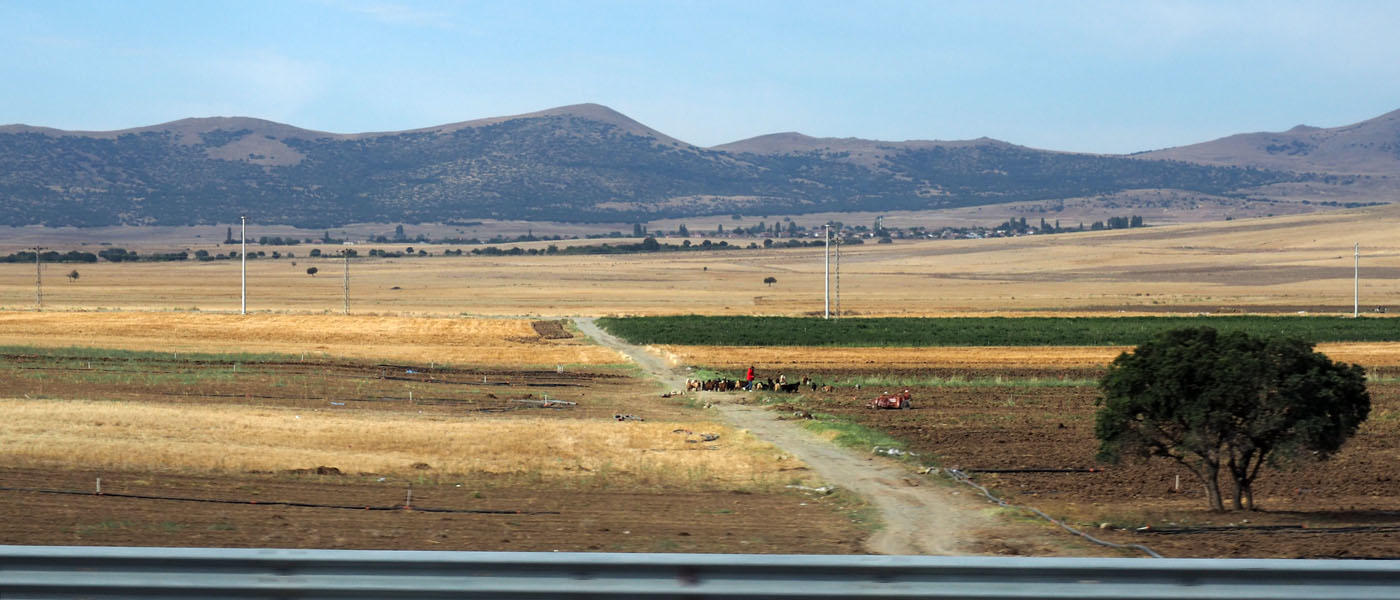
1113,76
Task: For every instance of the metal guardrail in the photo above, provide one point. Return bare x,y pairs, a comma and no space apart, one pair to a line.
103,572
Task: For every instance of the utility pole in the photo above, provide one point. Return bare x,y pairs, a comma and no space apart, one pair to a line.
243,255
1356,281
347,281
826,292
38,280
838,276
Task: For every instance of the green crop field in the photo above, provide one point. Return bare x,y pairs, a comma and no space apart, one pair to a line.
977,331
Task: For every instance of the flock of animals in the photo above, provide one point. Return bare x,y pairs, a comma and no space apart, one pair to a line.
730,385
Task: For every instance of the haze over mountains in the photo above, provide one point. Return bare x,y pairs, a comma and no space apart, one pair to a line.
590,163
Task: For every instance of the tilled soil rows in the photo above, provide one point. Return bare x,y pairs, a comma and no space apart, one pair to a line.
510,518
1034,444
328,384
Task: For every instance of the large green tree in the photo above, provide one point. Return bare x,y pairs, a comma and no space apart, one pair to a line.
1228,402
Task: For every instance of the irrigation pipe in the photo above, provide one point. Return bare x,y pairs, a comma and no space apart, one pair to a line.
1088,470
283,503
962,477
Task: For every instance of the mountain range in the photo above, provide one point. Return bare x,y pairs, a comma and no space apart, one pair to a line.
590,163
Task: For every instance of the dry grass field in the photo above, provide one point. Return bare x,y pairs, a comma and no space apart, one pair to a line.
234,439
457,341
248,451
1279,264
604,480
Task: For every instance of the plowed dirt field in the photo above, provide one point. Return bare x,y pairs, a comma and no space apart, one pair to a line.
267,452
1346,507
521,519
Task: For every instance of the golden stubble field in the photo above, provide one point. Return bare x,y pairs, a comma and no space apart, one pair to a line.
458,341
1280,264
235,439
88,431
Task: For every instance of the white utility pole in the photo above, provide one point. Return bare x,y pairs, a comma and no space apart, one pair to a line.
1356,281
826,293
38,280
243,255
347,282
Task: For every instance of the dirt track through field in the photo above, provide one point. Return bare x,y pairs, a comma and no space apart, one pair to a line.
918,517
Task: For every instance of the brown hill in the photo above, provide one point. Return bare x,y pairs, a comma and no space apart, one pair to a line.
583,162
1368,147
587,111
260,141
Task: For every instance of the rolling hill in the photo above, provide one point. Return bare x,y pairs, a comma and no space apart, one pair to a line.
1369,147
575,163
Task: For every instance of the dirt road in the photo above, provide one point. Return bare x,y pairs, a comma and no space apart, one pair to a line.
919,518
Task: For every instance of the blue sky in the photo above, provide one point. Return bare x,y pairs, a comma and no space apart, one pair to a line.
1084,76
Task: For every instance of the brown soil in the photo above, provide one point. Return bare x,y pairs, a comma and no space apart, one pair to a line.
1006,427
547,520
551,330
341,385
590,516
917,518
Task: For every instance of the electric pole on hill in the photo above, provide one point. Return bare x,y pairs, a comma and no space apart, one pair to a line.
243,255
347,281
38,280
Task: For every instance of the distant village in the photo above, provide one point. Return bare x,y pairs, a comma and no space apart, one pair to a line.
781,234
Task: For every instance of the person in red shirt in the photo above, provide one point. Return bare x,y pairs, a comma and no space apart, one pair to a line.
748,379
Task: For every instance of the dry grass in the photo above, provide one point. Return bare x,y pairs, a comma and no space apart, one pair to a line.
235,439
1272,264
458,341
1368,354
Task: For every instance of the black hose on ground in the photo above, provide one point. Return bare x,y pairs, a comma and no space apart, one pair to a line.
959,476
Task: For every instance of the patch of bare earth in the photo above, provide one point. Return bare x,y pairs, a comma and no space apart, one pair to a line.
1033,444
919,516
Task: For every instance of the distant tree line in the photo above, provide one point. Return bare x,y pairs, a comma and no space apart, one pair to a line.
647,245
51,257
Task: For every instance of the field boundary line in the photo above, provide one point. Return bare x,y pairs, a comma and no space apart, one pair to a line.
402,507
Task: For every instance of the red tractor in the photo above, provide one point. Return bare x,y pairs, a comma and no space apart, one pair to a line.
887,400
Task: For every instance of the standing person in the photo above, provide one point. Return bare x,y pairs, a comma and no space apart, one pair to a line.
748,379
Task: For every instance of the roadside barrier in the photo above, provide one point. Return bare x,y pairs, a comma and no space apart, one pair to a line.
97,572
